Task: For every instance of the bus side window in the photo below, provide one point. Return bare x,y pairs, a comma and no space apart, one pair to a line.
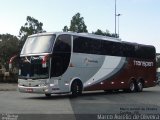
86,45
61,55
145,52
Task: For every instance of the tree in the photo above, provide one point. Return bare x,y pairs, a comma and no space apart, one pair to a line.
77,24
8,47
32,26
65,29
107,33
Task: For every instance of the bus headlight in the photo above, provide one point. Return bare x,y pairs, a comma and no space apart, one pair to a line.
42,84
20,84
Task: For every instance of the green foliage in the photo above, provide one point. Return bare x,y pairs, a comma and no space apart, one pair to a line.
77,24
65,29
32,26
100,32
8,47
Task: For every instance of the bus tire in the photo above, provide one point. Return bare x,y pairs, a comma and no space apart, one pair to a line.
139,86
48,95
132,87
76,88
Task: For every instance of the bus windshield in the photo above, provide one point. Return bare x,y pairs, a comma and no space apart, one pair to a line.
31,68
38,44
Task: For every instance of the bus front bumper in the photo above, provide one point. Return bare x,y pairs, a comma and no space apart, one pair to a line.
40,89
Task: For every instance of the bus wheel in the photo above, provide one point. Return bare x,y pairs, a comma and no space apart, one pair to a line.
132,87
76,88
48,95
139,86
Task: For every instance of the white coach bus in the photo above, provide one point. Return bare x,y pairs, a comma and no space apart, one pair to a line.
66,62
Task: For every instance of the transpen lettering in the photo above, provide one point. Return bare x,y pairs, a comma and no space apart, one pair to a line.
143,63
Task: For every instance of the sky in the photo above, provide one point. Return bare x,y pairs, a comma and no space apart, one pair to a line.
139,21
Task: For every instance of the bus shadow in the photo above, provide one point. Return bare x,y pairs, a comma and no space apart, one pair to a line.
91,95
69,96
52,97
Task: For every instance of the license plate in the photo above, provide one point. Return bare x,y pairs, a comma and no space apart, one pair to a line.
29,90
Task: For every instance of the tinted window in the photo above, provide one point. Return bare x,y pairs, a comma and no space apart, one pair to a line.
31,67
128,50
146,52
87,45
63,44
61,55
111,48
104,47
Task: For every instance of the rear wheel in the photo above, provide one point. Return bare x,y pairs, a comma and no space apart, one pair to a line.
132,87
139,86
76,88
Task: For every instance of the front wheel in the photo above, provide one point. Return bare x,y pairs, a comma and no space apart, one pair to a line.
76,88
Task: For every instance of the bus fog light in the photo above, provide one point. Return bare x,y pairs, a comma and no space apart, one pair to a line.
66,84
46,90
51,85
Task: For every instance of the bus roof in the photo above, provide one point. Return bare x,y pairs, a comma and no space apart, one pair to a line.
90,35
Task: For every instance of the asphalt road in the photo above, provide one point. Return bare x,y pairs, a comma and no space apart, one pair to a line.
89,106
